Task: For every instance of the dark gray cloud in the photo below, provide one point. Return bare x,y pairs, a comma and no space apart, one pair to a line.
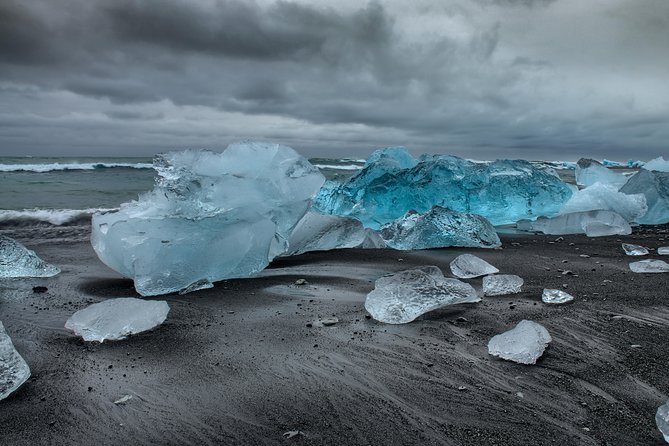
488,78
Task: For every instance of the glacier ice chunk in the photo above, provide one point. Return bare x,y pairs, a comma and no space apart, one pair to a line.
116,319
663,250
550,296
211,216
634,250
655,187
602,196
439,228
650,266
392,183
658,164
320,232
405,295
591,223
662,420
502,284
13,369
524,344
18,261
467,266
589,172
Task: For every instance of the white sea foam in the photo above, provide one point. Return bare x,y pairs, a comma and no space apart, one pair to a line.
49,167
339,166
53,216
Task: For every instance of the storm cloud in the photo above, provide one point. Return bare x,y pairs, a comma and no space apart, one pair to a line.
551,79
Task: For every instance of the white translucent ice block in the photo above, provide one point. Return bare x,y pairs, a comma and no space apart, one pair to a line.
502,284
467,266
524,344
18,261
550,296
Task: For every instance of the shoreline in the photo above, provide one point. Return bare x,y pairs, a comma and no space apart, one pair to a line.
237,364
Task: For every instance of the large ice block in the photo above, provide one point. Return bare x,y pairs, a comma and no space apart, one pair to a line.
13,369
591,223
439,228
655,186
525,343
468,266
658,164
211,216
18,261
589,172
602,196
392,183
116,319
405,295
320,232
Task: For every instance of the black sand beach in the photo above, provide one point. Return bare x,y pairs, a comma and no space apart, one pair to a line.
238,364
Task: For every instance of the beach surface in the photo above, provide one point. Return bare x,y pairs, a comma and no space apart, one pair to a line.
244,363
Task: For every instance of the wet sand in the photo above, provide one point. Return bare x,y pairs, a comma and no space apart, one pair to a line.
238,364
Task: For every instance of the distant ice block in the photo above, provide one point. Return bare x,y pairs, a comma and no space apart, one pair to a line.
467,266
589,172
13,369
550,296
663,250
18,261
393,182
591,223
502,284
658,164
655,186
650,266
523,344
439,228
662,420
320,232
634,250
115,319
211,216
405,295
601,196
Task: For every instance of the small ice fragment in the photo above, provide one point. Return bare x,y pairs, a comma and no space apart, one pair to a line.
499,285
13,369
466,266
124,399
327,322
634,250
523,344
291,434
404,296
650,266
201,284
556,297
662,420
663,250
116,319
18,261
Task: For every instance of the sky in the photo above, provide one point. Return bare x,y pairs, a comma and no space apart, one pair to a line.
484,79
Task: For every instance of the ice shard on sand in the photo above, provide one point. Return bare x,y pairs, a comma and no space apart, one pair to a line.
18,261
467,266
525,343
13,369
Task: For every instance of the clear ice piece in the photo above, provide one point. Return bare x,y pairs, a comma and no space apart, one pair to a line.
320,232
439,228
663,250
634,250
589,172
550,296
650,266
405,295
211,216
18,261
467,266
392,183
524,344
662,420
116,319
601,196
502,284
591,223
655,187
13,369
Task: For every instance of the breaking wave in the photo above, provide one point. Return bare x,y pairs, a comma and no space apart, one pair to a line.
47,217
50,167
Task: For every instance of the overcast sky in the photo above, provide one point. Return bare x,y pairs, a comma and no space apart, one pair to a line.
535,79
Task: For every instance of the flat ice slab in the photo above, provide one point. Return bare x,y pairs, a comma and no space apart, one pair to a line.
502,284
18,261
523,344
650,266
634,250
590,223
467,266
550,296
116,319
13,369
404,296
662,420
